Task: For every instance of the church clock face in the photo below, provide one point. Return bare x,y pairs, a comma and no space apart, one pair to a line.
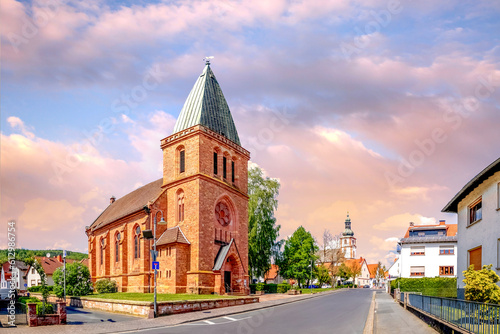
222,214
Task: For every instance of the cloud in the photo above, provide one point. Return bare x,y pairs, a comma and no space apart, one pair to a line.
400,221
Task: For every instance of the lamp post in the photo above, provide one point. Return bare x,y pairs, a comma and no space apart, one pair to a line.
148,235
64,257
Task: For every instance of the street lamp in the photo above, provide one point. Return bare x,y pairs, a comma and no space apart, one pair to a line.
148,235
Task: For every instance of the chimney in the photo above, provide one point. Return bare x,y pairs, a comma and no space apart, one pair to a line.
412,224
442,222
59,258
112,199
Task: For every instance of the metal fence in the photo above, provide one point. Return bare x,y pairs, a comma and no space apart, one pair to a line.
471,316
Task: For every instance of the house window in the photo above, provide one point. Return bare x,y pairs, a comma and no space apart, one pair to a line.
180,206
32,271
419,250
446,250
215,163
102,251
475,257
446,271
117,247
182,161
224,167
232,171
475,211
137,243
417,271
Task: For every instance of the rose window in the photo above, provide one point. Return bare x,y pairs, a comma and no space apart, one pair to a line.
222,214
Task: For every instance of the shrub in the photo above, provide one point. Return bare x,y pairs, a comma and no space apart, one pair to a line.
49,308
106,286
480,285
428,286
78,281
271,288
260,287
283,288
38,288
253,288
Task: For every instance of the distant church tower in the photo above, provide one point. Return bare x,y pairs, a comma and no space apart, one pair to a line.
348,241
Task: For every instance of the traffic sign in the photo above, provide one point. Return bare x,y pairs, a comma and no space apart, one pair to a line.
156,265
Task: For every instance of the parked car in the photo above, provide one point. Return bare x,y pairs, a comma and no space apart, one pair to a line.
366,286
4,294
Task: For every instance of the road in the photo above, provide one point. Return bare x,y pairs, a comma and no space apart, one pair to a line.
343,312
79,316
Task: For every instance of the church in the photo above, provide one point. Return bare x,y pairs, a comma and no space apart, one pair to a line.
200,206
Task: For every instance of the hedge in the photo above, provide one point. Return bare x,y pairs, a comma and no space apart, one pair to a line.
428,286
38,288
270,288
106,286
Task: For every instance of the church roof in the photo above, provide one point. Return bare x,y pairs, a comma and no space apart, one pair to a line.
206,105
172,235
129,203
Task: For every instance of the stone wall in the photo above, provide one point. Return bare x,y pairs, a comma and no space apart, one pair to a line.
144,309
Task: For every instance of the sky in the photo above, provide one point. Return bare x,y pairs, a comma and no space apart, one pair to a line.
385,109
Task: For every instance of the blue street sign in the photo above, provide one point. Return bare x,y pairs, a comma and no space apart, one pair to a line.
156,265
25,285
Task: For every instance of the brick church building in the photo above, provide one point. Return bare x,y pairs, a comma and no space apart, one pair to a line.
203,247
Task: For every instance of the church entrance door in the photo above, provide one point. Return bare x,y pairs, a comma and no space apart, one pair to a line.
227,281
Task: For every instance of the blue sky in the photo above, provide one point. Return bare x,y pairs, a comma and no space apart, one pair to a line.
331,127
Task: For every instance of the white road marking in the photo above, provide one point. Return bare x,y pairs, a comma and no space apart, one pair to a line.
229,318
209,322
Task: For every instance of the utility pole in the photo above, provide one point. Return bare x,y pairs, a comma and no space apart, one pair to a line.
64,257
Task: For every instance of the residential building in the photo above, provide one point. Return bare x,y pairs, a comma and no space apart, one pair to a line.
13,275
394,270
203,198
49,265
273,276
428,251
478,207
364,276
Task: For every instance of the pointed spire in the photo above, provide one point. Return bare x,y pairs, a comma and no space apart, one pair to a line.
207,106
348,231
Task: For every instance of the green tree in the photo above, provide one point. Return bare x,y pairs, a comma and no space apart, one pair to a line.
298,255
480,285
262,228
43,282
380,272
78,282
323,275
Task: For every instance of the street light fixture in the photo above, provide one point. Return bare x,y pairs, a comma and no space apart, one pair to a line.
147,234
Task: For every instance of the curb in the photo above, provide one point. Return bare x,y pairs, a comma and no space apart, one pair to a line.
314,295
371,317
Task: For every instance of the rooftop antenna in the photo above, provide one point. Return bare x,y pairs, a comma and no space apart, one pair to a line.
207,59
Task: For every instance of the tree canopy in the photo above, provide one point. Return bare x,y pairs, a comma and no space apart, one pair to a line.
262,228
298,255
78,281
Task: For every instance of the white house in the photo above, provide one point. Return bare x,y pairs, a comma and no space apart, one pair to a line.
13,274
395,269
428,251
49,265
478,209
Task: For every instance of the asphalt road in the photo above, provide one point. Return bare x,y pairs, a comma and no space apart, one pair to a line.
343,312
79,316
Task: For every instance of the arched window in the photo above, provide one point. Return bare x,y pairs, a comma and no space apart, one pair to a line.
102,251
180,206
232,171
216,159
182,161
224,167
117,247
137,244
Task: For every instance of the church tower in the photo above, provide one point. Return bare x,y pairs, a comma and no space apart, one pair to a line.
348,241
206,181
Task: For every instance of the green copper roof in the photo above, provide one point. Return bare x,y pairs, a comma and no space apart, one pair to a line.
207,106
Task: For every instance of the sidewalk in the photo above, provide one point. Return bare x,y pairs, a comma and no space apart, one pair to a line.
390,317
171,320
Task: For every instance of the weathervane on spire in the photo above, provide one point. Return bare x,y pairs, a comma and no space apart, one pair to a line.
207,59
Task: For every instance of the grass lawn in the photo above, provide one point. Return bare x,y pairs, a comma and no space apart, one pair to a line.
316,290
161,297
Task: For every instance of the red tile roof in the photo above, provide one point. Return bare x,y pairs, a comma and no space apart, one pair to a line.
172,235
372,268
130,203
49,264
272,273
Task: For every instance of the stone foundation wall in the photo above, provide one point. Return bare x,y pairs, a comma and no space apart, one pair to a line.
144,309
